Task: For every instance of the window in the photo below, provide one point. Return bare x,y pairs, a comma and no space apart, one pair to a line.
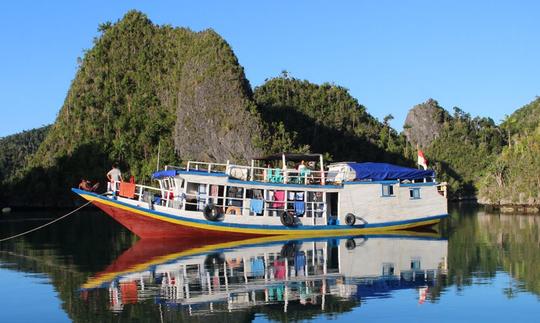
414,193
235,199
388,190
388,269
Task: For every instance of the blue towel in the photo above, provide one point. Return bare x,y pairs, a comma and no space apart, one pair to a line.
299,261
299,208
256,206
257,267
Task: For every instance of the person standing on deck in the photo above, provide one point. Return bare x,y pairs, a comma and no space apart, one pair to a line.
114,175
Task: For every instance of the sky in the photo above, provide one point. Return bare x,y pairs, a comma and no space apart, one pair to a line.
481,56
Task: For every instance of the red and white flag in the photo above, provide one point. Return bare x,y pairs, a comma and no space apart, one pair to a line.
422,161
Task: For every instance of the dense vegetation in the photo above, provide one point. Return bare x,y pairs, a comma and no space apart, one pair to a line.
464,150
514,176
15,149
324,118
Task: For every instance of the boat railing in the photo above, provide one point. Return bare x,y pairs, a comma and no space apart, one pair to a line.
304,176
289,176
208,167
144,193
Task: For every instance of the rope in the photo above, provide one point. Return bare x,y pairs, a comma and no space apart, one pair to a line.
46,224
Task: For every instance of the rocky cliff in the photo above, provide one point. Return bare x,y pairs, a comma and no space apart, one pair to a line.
424,123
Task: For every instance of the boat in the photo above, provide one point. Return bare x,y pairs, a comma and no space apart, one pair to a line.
271,271
273,197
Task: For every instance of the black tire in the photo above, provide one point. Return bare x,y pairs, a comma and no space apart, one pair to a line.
290,249
350,219
211,212
350,244
287,219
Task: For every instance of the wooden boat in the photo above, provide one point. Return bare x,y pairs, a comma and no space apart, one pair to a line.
239,201
233,275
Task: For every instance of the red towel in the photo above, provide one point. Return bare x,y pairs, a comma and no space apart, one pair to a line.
129,292
278,196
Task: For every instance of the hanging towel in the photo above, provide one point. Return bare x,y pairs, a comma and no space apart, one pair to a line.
299,264
256,206
279,196
279,267
299,207
257,267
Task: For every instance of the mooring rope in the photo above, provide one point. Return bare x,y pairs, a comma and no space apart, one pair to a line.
46,224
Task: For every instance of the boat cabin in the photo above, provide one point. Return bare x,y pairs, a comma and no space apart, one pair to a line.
292,190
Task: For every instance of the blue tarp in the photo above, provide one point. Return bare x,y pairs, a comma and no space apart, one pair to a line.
383,171
164,173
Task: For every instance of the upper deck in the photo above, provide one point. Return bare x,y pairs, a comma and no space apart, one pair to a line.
301,169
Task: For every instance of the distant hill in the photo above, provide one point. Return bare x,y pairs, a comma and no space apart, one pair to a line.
15,150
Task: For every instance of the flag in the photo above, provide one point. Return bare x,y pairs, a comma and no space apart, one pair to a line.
422,161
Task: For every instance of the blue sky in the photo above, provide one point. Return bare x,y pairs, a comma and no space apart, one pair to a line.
481,56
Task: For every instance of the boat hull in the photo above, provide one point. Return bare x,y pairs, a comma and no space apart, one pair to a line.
148,223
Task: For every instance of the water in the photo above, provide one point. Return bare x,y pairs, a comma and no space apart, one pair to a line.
474,267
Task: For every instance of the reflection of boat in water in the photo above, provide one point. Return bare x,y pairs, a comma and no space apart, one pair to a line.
263,271
249,201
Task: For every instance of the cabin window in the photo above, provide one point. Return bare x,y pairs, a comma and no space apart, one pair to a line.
295,202
196,196
256,201
388,269
314,205
275,202
414,193
388,190
216,194
235,200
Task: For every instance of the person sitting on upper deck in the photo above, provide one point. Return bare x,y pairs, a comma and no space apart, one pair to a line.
303,173
86,185
302,166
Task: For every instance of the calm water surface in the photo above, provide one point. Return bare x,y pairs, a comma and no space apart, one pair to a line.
475,267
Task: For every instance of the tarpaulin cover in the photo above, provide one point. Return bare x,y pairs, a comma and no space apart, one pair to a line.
164,173
383,171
